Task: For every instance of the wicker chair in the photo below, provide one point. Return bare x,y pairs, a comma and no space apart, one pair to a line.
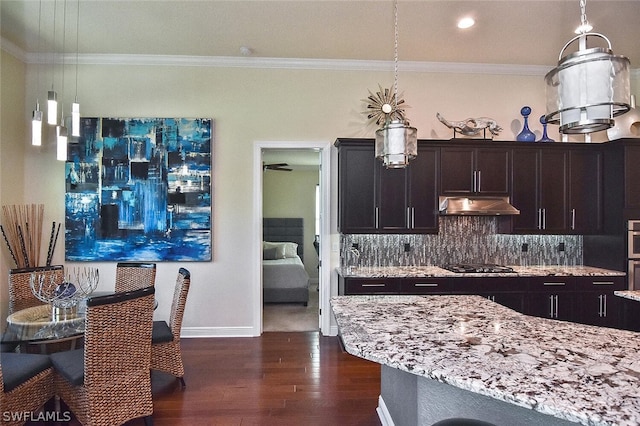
108,382
165,349
132,275
20,294
25,386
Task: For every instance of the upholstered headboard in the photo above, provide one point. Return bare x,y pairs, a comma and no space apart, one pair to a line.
284,229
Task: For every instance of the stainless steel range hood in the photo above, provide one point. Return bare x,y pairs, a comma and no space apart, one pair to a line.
476,206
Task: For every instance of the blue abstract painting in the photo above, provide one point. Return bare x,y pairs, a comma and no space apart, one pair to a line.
139,189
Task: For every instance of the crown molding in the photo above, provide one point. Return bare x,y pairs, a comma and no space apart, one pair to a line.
277,63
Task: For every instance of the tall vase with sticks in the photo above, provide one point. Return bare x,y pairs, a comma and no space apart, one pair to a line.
22,232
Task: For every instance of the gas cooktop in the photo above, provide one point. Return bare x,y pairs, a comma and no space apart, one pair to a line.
477,268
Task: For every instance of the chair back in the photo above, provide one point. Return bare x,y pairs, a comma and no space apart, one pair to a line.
134,275
117,347
20,294
183,282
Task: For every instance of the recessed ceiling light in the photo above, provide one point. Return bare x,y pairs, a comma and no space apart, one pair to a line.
466,22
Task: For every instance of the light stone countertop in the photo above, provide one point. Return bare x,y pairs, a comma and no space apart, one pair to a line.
629,294
580,373
435,271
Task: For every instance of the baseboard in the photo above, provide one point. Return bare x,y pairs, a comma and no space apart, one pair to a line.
188,332
383,413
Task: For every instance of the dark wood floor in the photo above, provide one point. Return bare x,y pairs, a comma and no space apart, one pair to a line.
299,378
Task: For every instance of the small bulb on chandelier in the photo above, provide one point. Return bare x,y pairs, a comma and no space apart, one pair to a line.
52,108
36,128
75,119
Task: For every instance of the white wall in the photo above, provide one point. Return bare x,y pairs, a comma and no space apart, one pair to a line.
250,105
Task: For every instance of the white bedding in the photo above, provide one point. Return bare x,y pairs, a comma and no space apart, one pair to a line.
284,273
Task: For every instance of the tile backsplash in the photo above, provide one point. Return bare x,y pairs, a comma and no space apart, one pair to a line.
470,239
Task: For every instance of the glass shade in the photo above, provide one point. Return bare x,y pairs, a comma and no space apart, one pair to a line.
587,89
396,144
52,108
61,137
75,119
36,128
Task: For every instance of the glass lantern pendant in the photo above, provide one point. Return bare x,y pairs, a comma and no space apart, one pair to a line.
396,144
587,88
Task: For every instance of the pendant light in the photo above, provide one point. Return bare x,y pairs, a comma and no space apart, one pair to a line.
75,106
62,134
52,96
589,87
396,141
36,118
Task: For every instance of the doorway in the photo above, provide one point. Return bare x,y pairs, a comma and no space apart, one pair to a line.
275,163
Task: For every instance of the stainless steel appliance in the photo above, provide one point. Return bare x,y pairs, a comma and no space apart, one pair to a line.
478,268
633,254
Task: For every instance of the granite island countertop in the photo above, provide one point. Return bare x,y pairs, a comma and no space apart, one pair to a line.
435,271
629,294
580,373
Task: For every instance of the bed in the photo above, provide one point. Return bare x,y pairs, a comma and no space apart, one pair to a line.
284,278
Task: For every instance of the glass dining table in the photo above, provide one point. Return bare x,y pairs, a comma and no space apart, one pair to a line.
39,324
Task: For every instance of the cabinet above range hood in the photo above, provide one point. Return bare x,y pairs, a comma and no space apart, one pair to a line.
476,206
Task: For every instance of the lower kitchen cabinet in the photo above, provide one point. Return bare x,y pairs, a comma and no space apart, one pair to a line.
429,285
586,300
551,297
595,302
352,286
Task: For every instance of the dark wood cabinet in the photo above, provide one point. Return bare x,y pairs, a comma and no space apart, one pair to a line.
551,297
422,215
474,170
539,190
585,191
357,192
596,303
507,291
632,175
429,285
374,199
352,286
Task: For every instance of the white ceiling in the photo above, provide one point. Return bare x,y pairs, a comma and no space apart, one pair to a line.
523,32
507,32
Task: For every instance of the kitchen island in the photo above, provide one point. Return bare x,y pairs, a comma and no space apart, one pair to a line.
466,356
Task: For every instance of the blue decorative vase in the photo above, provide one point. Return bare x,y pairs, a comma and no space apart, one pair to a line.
544,137
526,135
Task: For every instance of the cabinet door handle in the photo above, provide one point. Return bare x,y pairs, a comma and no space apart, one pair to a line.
413,217
377,215
492,298
604,305
374,285
425,284
544,218
573,219
539,218
479,180
551,310
556,300
475,181
409,224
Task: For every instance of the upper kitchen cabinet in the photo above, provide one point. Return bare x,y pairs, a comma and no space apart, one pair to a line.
585,191
558,189
539,190
374,199
356,186
467,170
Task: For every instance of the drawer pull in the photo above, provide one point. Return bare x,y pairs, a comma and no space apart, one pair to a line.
554,283
374,285
602,282
425,285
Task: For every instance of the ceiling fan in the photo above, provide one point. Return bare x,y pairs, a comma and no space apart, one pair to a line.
281,167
